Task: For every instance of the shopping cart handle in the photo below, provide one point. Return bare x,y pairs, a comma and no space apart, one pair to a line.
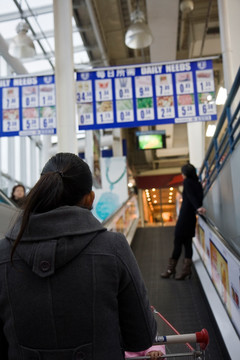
202,338
198,337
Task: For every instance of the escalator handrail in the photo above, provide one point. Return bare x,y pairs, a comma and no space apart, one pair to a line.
214,145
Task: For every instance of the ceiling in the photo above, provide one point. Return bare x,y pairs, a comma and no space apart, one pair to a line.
99,28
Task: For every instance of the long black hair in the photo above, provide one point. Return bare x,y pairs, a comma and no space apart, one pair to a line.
189,171
64,180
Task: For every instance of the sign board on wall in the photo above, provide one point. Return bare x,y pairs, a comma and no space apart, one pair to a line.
27,106
223,268
148,94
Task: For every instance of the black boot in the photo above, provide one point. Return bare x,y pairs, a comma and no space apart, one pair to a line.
171,269
186,270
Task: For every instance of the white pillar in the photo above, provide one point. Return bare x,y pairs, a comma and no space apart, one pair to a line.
23,157
89,148
46,152
117,142
64,76
196,143
229,11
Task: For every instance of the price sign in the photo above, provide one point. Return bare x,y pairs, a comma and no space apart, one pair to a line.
47,123
205,81
164,84
10,98
30,119
124,116
47,95
30,124
149,94
206,109
103,90
125,111
29,96
145,114
104,112
85,114
123,88
11,121
84,92
143,86
184,83
47,118
186,110
104,117
166,112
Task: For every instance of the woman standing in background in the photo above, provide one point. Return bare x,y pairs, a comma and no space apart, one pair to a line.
192,198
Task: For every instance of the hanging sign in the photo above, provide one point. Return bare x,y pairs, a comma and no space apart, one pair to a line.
27,106
148,94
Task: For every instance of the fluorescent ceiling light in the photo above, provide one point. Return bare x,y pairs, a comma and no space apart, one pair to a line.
210,130
221,96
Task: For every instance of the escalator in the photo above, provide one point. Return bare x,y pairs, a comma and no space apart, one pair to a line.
182,303
8,213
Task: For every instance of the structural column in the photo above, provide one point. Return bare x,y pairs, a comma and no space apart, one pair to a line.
196,143
64,77
229,11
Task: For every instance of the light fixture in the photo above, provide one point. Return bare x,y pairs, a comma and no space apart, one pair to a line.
138,35
210,130
21,46
186,6
221,96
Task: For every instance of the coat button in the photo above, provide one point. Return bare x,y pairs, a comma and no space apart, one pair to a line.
45,265
80,355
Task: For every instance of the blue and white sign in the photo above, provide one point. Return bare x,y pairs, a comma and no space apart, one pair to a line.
148,94
27,106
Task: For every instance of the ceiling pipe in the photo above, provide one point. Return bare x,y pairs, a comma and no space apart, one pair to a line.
96,29
206,27
186,6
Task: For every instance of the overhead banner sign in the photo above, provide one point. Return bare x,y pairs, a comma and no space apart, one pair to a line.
27,106
148,94
113,97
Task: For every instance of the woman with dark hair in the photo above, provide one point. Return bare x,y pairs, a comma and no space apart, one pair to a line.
69,289
18,194
192,198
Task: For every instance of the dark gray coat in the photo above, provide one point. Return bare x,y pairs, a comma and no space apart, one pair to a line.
192,199
75,291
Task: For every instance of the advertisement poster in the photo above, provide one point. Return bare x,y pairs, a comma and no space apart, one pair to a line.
148,94
27,106
220,274
97,181
223,268
114,190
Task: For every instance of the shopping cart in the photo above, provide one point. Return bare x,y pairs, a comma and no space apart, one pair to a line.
200,339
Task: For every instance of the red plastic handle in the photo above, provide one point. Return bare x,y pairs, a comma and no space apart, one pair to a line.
202,338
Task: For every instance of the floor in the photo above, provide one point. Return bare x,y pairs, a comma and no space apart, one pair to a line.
182,303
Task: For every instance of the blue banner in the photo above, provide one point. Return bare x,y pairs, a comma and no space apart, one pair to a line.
133,96
148,94
27,106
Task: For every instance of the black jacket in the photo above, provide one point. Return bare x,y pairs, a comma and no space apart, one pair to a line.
75,291
192,198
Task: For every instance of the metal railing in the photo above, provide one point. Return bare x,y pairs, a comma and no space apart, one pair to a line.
225,139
